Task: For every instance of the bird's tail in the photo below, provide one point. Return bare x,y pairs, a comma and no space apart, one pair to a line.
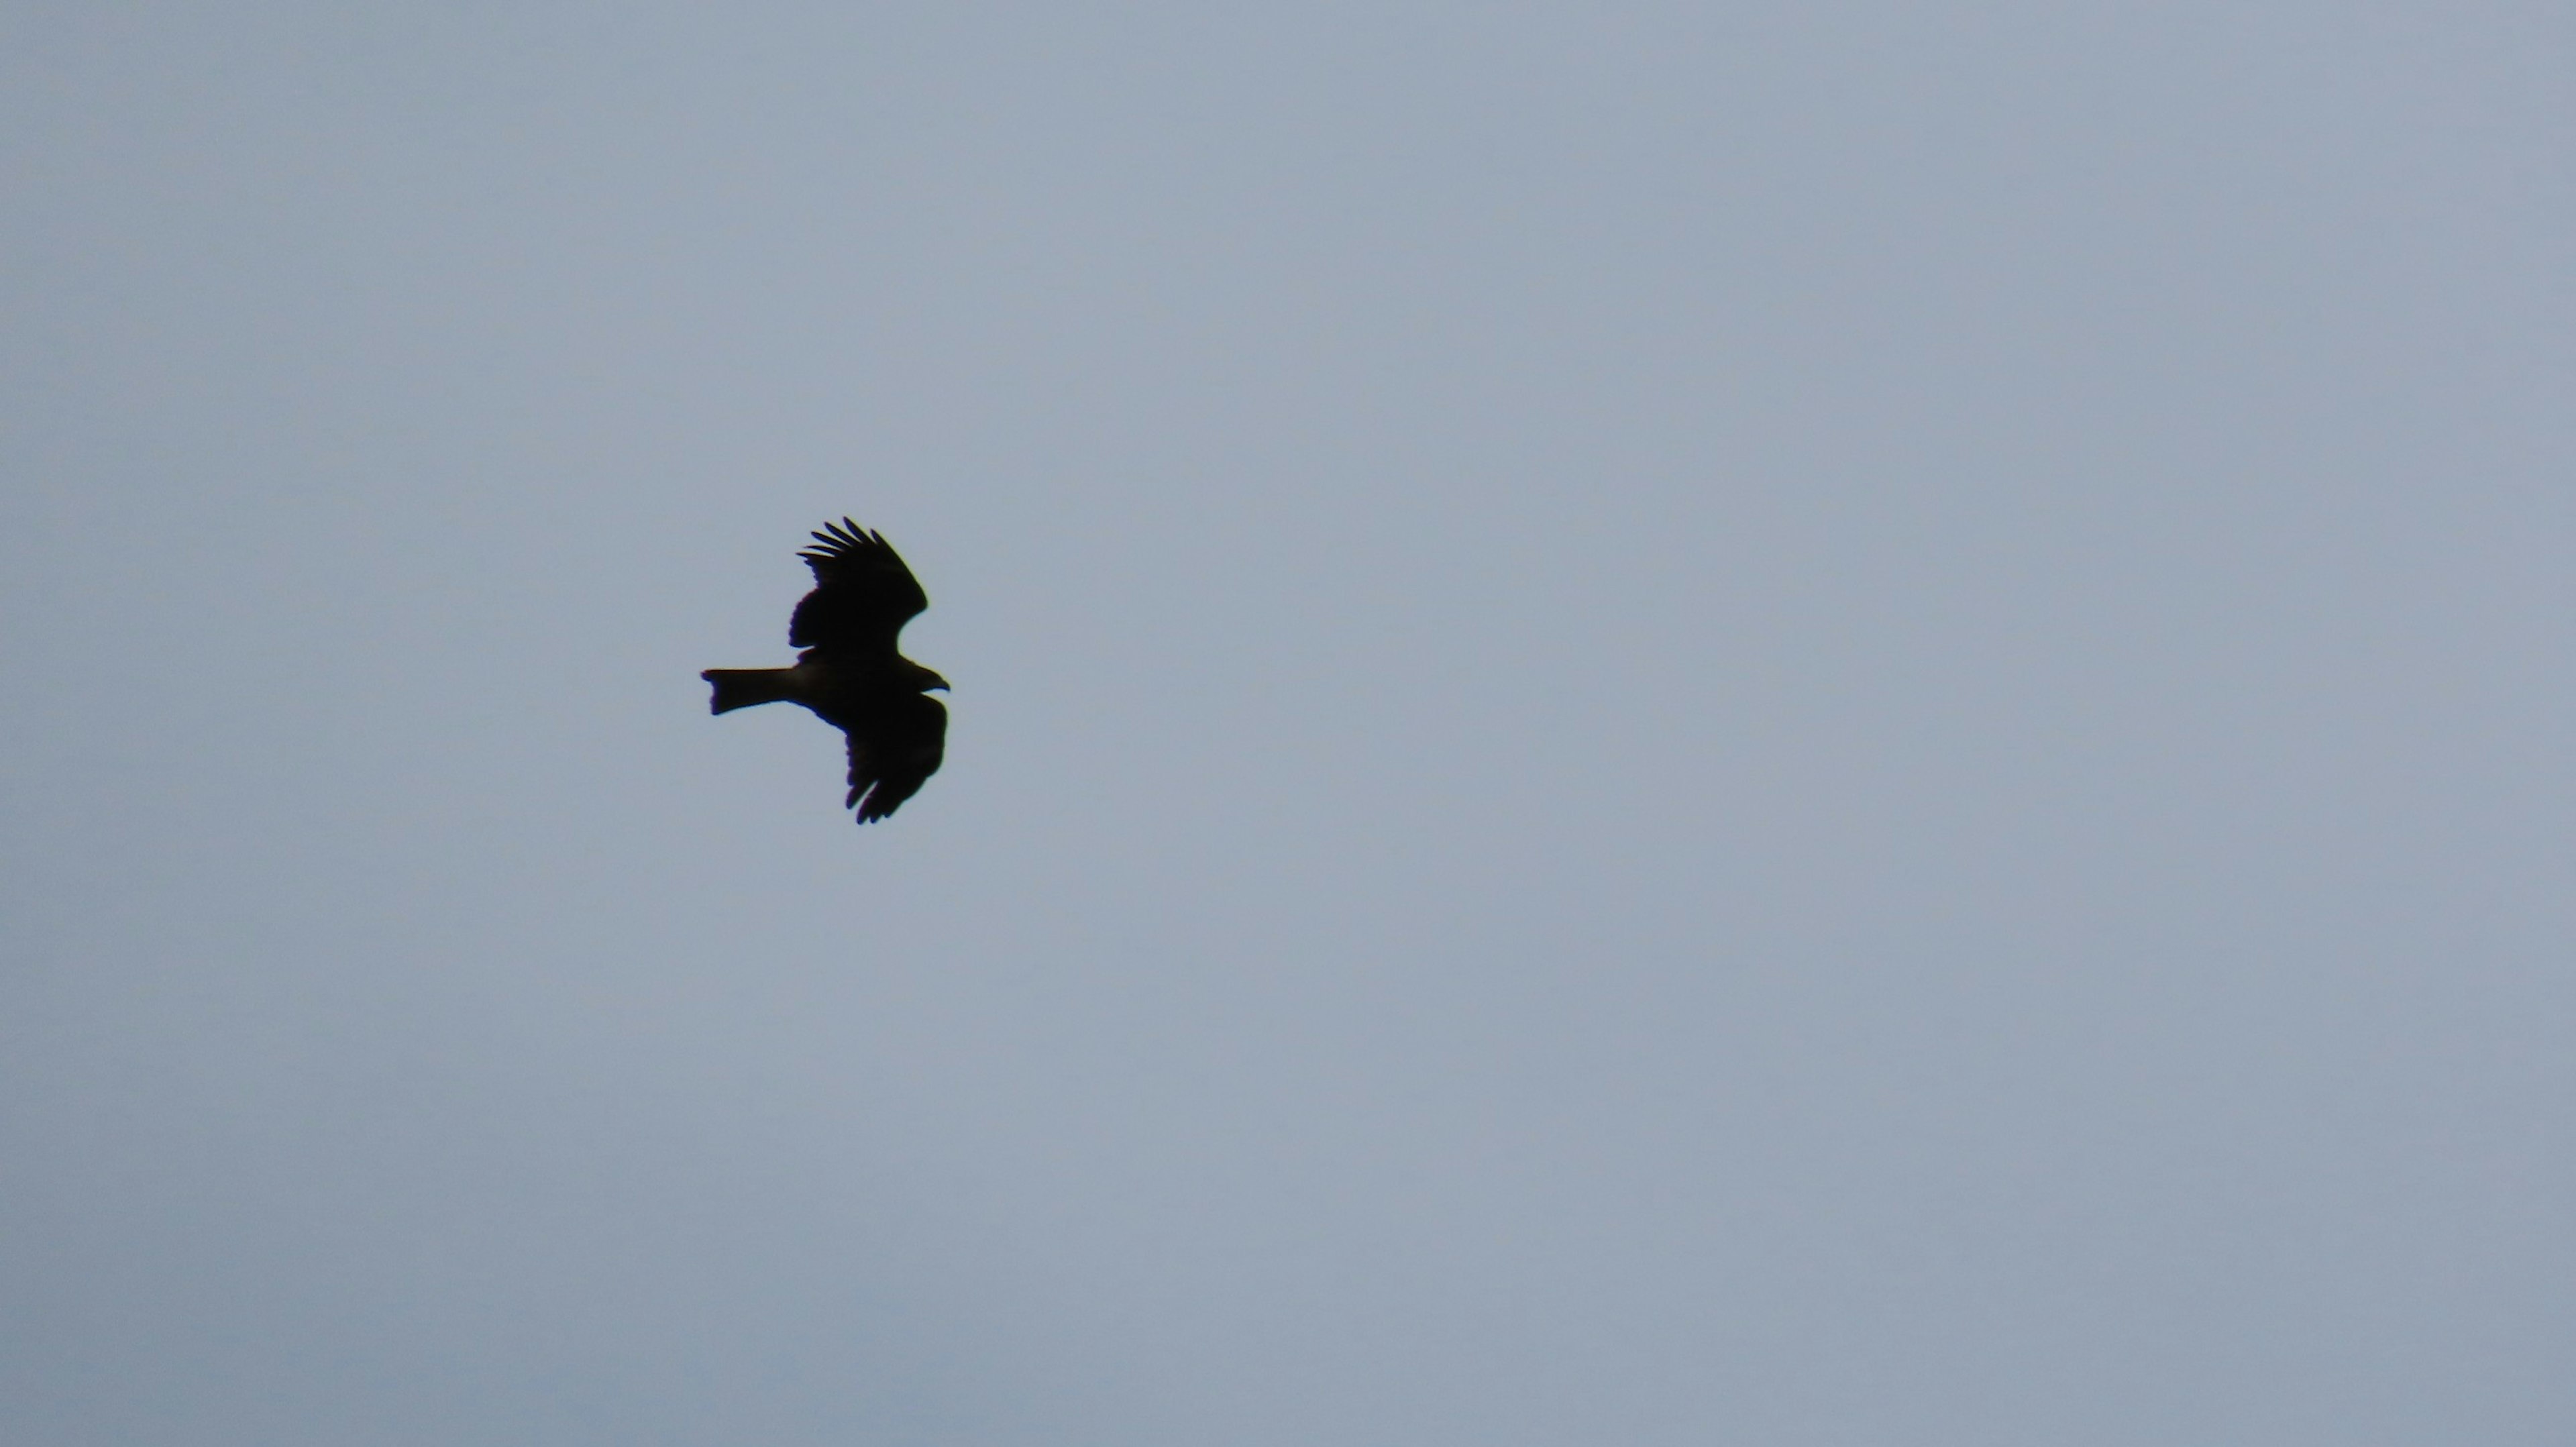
742,687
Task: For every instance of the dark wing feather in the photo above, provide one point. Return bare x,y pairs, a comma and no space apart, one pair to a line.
893,752
863,594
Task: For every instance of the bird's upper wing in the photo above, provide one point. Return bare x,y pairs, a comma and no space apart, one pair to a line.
863,594
893,752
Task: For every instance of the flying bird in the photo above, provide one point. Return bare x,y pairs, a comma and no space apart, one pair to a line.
849,673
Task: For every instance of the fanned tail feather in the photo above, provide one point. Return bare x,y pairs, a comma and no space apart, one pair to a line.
743,687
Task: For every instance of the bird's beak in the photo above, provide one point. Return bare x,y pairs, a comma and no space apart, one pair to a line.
940,687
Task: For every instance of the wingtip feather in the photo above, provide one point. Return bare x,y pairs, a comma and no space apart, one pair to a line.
835,540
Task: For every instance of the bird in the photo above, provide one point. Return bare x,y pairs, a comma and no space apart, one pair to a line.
850,674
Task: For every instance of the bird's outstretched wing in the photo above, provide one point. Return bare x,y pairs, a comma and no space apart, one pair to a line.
893,753
863,594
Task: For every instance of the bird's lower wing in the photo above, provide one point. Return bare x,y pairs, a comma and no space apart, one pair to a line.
889,763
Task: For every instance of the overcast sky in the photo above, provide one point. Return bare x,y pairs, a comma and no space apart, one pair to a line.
1674,725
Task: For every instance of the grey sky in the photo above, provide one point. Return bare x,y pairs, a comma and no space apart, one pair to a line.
1673,725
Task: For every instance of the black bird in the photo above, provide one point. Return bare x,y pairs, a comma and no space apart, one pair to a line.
850,674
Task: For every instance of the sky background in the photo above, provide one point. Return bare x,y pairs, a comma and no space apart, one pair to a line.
1674,724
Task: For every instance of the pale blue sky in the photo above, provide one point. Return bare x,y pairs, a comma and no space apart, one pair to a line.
1673,725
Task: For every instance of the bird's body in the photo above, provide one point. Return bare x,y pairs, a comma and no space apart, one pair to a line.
850,674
